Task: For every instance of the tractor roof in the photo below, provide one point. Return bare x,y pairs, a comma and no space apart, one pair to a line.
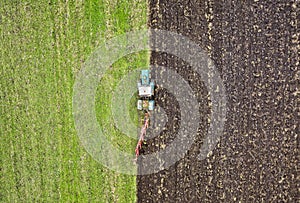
145,77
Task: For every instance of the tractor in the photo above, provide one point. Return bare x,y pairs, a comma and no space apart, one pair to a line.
145,103
146,91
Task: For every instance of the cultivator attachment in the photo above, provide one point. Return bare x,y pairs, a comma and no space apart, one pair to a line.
142,135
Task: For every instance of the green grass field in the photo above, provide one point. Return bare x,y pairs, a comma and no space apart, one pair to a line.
43,44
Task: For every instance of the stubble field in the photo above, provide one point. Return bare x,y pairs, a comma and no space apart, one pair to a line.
43,44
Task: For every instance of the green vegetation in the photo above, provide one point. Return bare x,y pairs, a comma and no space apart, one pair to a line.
43,44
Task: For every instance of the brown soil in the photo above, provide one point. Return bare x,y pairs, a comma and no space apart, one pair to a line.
254,46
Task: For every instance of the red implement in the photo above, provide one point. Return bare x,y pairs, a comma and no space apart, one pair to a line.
142,135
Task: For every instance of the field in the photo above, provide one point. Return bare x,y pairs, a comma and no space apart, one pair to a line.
255,47
43,44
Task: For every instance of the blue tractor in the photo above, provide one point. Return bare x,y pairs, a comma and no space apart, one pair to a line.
146,91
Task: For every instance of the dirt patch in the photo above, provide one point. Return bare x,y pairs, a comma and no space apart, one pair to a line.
254,47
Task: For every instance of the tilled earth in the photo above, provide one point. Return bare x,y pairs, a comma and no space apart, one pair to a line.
255,47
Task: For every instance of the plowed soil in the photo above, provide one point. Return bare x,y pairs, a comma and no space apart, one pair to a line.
255,46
